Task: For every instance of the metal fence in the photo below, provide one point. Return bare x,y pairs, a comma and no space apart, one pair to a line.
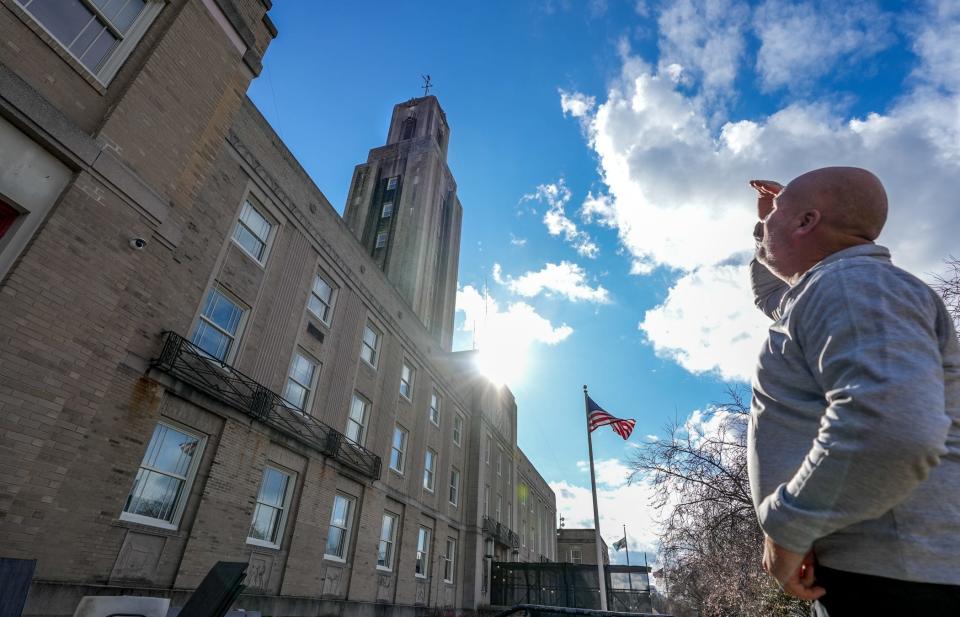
570,585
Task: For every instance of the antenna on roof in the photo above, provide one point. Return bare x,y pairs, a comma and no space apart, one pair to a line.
427,84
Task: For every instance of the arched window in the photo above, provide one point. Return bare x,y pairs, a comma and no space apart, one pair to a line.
408,127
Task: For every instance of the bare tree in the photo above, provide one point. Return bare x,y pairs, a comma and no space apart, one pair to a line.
948,286
711,542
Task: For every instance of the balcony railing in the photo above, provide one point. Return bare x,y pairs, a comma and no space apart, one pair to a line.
500,532
190,364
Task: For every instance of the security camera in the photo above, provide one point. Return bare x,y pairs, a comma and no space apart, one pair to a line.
138,244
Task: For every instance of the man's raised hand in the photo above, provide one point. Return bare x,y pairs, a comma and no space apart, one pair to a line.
766,191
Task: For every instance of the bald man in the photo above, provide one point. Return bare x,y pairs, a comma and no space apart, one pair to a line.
854,440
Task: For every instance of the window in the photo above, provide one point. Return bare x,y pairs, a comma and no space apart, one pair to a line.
407,375
429,469
486,455
454,486
321,300
449,560
423,553
392,183
486,500
300,381
357,420
163,480
338,537
576,555
499,461
381,239
435,408
499,506
458,429
370,345
408,127
98,33
387,210
398,451
270,514
7,216
388,537
252,232
219,326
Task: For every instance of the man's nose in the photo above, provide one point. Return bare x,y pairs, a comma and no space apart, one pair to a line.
758,231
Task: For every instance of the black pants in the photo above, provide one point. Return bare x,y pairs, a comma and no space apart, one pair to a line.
855,595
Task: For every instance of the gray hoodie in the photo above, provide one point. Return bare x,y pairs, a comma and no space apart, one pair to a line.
854,440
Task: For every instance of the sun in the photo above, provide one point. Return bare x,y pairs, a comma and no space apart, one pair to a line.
502,358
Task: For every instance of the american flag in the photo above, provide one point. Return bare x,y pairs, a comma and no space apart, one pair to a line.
597,417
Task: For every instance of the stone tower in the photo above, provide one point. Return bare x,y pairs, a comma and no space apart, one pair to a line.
403,208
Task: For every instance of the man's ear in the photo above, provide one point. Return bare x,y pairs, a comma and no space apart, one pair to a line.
807,222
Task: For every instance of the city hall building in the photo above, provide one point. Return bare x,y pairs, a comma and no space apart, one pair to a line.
200,360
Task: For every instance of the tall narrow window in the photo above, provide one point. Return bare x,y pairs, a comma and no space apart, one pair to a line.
499,461
338,536
486,500
454,486
422,569
429,469
435,408
457,430
370,345
486,455
357,420
163,480
407,375
398,451
252,231
499,506
387,210
218,327
381,240
270,514
450,560
576,555
408,128
392,183
300,381
388,537
98,33
322,297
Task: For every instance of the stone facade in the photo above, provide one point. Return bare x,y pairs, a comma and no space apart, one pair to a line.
580,546
166,148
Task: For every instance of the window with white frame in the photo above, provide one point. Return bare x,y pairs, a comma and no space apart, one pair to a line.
300,381
499,506
100,34
253,230
322,298
382,239
576,555
370,345
486,456
509,515
435,407
163,480
387,210
457,429
357,419
499,461
486,500
388,538
392,183
407,375
398,450
338,536
422,569
454,496
429,469
270,513
219,326
449,560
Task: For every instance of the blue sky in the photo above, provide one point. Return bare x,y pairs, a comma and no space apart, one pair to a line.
602,151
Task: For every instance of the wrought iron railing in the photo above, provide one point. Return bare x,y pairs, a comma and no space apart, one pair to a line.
500,532
190,364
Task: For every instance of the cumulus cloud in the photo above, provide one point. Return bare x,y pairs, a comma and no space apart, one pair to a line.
564,279
556,196
515,241
618,502
505,336
800,42
576,104
676,191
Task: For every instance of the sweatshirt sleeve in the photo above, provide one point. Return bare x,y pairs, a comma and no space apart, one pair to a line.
768,290
871,342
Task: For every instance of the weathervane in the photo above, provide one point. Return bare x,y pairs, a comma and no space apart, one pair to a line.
426,85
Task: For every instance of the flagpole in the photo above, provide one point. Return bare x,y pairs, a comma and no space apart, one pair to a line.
627,546
596,512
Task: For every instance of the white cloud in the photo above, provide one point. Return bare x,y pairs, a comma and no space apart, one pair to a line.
576,104
505,336
515,241
556,196
800,42
610,472
564,279
618,503
676,191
